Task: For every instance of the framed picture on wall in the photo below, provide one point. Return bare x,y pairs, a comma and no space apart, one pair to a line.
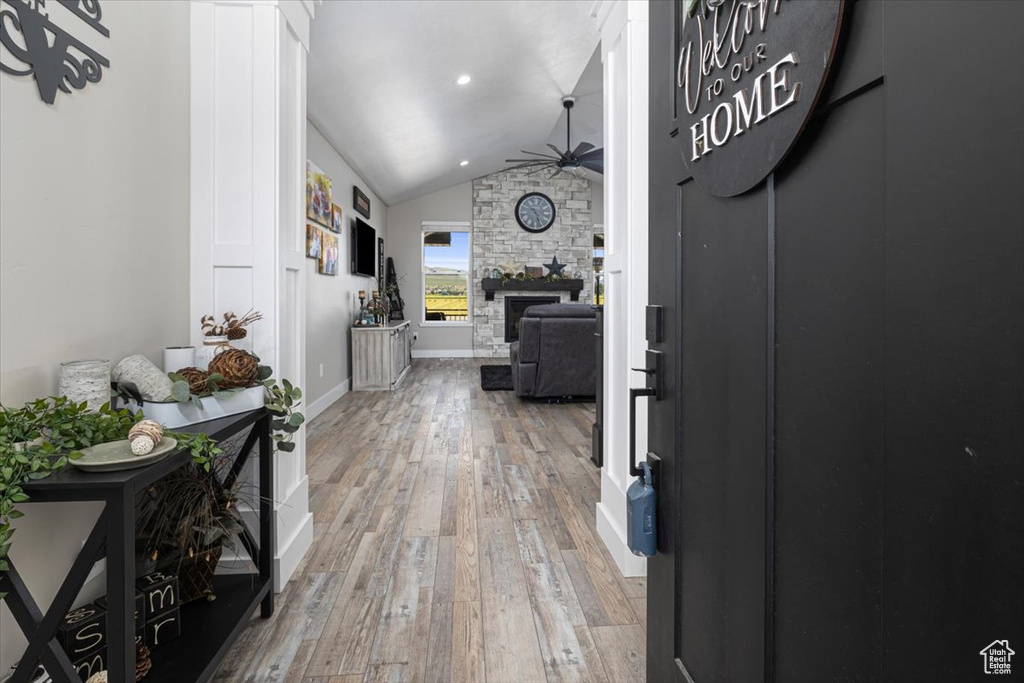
360,202
313,241
328,254
318,195
336,218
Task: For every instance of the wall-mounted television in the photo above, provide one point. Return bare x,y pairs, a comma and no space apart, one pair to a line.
364,249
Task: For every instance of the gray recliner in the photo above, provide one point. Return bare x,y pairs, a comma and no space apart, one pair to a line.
556,355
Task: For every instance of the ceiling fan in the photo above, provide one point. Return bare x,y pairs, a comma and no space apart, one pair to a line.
584,156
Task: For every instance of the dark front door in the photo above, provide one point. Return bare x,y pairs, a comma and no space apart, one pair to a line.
842,433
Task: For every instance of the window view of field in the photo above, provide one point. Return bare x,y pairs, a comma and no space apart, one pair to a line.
446,276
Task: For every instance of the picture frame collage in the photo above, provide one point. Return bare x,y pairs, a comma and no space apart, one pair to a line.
324,220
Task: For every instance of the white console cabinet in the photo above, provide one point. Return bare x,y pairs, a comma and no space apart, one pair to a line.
380,356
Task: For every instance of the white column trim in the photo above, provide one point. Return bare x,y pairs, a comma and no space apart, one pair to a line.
248,156
623,25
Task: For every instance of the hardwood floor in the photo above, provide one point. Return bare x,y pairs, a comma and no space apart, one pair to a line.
454,540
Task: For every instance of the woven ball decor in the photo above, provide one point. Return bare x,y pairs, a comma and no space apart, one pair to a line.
144,435
239,368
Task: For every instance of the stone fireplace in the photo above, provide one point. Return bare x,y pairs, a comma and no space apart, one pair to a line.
515,306
498,240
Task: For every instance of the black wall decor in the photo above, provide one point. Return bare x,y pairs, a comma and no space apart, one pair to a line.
380,263
748,76
360,202
50,53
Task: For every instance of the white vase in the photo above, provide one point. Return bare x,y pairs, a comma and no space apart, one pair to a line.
178,357
86,380
210,348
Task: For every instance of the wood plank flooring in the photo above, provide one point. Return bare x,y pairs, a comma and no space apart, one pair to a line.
454,541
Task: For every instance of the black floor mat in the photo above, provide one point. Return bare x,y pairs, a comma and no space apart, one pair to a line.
496,377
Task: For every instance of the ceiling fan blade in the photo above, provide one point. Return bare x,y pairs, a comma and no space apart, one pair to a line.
596,166
519,166
554,173
527,161
541,169
582,148
546,156
560,153
592,155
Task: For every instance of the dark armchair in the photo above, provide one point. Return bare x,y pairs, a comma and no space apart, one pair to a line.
556,355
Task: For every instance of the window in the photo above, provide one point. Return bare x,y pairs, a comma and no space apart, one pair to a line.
446,287
599,268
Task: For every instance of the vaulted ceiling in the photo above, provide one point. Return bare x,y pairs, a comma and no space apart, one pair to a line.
382,85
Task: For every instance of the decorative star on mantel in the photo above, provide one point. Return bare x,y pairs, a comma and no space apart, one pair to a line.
510,267
555,267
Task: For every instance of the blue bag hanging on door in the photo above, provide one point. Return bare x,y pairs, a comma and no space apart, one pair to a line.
641,514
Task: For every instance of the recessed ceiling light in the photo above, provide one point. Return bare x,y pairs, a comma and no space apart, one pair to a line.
464,162
463,79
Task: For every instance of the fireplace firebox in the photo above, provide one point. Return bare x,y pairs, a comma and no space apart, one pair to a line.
515,306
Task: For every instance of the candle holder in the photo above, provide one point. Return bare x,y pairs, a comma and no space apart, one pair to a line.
86,380
361,316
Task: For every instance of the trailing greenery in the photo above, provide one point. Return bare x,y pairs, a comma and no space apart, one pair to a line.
281,401
523,277
38,439
18,466
204,450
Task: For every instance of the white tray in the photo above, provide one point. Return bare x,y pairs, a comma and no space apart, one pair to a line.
173,414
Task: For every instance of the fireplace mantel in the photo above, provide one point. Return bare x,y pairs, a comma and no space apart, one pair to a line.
493,284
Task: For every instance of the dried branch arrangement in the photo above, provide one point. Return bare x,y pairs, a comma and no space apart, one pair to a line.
232,326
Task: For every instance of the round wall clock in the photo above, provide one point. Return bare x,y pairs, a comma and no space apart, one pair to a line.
535,212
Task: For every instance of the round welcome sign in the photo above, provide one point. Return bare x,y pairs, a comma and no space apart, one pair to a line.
749,73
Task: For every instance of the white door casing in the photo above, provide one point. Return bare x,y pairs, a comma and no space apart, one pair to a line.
623,26
248,149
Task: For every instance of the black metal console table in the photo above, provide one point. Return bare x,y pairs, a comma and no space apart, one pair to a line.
209,627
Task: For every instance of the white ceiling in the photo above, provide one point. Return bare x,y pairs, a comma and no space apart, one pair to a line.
381,85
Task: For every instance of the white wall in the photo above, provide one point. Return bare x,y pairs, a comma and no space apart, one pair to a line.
331,302
404,246
94,229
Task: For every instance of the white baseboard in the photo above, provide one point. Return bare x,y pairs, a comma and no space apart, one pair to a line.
324,402
615,540
292,543
294,532
491,354
443,353
290,554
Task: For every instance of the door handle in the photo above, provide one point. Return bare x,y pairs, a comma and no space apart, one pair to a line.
634,394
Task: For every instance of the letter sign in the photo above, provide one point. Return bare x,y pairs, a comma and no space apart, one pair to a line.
748,74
